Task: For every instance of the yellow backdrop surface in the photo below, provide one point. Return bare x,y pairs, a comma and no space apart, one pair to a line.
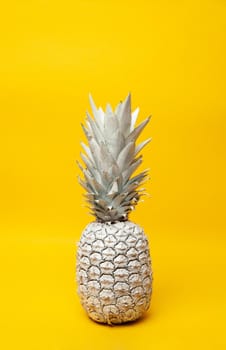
171,56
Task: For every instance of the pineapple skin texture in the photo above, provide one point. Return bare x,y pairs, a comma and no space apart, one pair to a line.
113,270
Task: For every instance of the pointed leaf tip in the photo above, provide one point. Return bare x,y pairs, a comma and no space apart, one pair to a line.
129,95
128,99
91,101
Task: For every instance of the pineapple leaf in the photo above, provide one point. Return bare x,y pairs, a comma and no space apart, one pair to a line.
97,115
126,156
141,146
95,129
128,172
134,118
125,116
136,132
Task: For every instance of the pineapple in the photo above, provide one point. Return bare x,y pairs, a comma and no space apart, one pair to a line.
113,268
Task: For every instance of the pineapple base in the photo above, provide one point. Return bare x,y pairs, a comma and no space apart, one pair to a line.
114,273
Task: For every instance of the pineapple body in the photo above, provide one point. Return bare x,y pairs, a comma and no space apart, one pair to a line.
114,273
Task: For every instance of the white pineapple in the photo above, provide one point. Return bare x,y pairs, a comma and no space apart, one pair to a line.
113,263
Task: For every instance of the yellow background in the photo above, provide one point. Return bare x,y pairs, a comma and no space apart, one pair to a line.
171,55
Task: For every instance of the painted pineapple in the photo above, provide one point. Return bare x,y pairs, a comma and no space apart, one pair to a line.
113,263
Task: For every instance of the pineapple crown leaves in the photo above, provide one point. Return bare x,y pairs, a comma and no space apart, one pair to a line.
111,158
